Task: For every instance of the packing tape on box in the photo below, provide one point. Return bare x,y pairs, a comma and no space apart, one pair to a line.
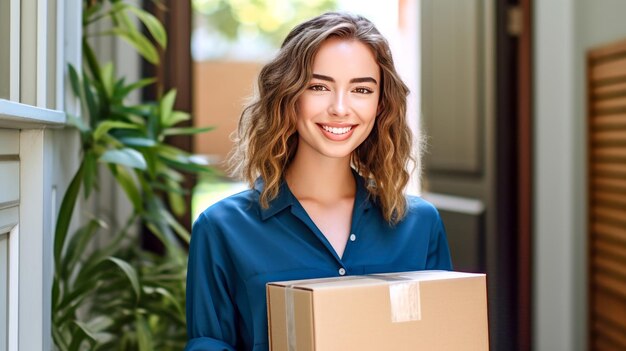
290,306
404,298
291,318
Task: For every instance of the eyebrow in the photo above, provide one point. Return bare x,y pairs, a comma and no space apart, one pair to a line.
353,80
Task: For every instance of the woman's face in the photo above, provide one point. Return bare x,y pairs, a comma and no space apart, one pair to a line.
336,112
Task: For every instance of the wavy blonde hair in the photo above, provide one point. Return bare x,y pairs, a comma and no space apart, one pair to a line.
266,140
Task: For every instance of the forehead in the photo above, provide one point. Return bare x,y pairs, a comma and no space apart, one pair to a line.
340,58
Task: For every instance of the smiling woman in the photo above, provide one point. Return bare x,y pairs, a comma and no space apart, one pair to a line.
324,147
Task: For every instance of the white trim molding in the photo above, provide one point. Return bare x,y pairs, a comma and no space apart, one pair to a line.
14,296
21,116
14,47
455,204
42,54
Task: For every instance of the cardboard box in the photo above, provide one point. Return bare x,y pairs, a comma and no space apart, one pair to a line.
426,310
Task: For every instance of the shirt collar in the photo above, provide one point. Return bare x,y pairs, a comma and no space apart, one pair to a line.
283,200
285,197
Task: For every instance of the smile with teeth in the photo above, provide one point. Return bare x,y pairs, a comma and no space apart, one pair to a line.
337,131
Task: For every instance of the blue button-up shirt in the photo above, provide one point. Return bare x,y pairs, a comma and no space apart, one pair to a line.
237,247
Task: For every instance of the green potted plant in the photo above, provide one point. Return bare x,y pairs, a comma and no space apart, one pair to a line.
119,296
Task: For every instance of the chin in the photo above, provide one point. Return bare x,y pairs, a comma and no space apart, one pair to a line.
336,153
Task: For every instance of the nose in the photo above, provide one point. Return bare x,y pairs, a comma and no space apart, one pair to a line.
339,105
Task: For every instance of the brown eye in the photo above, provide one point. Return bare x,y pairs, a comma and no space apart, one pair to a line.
318,87
363,90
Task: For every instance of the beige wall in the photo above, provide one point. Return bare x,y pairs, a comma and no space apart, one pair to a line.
221,89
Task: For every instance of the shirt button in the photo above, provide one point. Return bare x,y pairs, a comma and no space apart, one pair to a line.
352,237
342,271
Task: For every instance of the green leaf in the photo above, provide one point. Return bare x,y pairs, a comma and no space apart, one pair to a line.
177,117
153,162
90,9
59,339
126,181
167,295
172,174
72,298
105,126
139,110
178,228
176,200
121,18
166,106
90,99
92,266
91,60
77,245
78,123
85,329
127,157
123,92
118,7
186,131
160,228
138,142
107,142
130,273
180,159
100,323
56,292
153,121
108,79
169,189
188,166
78,338
153,24
172,153
144,337
65,214
91,169
74,80
139,41
93,329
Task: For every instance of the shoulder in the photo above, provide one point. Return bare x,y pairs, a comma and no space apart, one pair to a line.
421,212
420,207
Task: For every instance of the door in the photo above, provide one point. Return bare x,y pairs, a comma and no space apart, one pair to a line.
475,110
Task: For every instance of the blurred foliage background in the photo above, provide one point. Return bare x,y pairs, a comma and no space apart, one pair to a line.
252,23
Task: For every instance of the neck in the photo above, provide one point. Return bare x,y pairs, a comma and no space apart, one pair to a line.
321,178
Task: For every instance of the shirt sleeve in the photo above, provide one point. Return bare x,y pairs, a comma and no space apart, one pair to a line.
211,324
438,250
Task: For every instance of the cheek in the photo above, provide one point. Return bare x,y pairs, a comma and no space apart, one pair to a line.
310,107
302,107
369,109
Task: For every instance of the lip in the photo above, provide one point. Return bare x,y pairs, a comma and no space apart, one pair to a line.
337,137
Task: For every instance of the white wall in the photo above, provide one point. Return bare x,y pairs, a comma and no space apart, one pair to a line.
563,31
